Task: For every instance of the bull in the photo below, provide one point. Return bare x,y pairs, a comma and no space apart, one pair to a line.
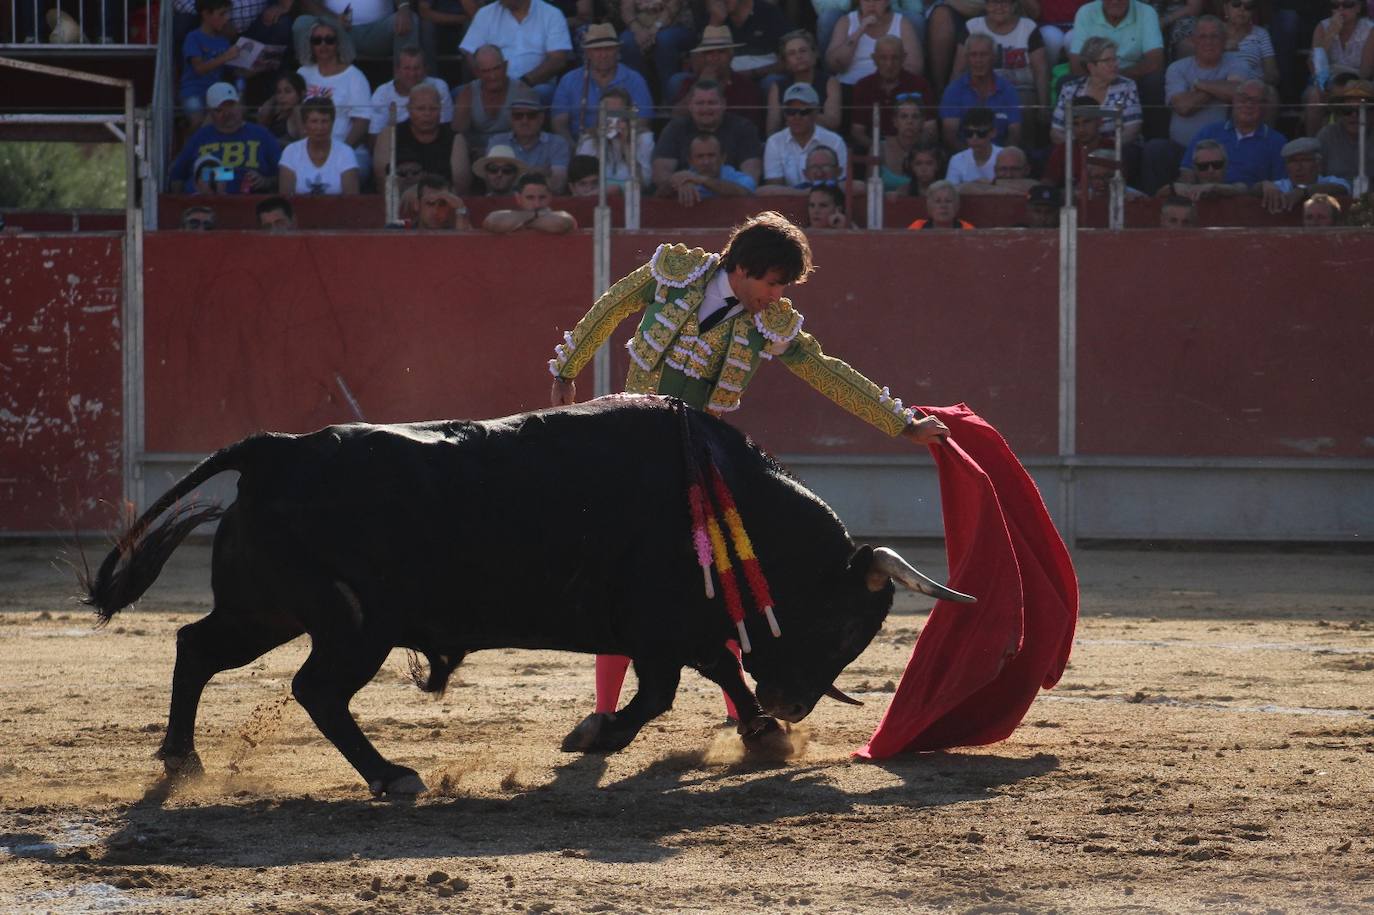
556,529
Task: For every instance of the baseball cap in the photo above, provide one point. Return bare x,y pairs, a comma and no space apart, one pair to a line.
801,92
220,93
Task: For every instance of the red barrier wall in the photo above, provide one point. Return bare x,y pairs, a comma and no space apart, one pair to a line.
60,390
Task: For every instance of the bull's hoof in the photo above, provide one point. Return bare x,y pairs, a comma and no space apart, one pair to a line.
589,734
402,786
764,738
179,766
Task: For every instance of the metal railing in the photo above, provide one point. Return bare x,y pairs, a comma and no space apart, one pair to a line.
127,23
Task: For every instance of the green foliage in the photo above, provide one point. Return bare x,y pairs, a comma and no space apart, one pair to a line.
58,176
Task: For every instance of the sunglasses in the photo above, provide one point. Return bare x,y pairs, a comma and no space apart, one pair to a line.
324,39
500,169
977,131
798,112
1210,163
526,115
200,224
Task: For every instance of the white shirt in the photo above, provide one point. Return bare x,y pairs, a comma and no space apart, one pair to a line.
319,179
523,44
364,11
785,158
348,90
713,300
963,169
386,94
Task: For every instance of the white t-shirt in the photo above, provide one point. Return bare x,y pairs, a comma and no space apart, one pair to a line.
319,179
348,90
364,11
785,158
962,168
523,44
386,94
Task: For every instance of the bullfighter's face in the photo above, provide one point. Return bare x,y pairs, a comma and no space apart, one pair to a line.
757,293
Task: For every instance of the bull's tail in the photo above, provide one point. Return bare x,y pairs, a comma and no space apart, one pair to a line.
140,552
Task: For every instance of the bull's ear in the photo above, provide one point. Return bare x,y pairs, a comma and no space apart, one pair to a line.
860,562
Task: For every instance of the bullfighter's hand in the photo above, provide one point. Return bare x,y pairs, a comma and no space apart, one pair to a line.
563,393
926,431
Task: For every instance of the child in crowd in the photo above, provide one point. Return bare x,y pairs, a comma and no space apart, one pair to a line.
203,56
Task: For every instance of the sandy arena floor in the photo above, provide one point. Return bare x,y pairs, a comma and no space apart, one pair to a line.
1210,749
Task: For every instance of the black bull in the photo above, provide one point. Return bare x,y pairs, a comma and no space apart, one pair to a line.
564,529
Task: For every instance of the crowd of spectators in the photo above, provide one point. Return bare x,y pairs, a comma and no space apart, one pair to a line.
696,99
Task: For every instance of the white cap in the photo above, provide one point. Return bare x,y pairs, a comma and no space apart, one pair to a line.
220,93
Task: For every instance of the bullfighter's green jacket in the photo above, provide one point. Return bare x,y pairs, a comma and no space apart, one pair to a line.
669,355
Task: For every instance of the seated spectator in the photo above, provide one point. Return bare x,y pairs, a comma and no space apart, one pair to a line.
1178,213
267,21
618,153
498,171
977,161
1043,202
424,139
1087,136
579,92
758,27
1207,177
889,87
850,52
1198,90
1099,170
1178,23
657,30
532,212
542,152
281,114
924,167
706,113
329,73
1340,139
1018,57
942,207
481,108
1252,147
438,207
198,218
712,61
1321,211
1056,25
372,28
1340,44
1302,159
980,87
244,156
1011,175
1134,26
584,177
408,71
205,55
822,164
800,64
912,131
825,208
275,214
784,156
319,164
533,38
1250,42
1105,87
708,176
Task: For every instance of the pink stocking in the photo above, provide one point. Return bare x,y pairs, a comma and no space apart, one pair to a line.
610,674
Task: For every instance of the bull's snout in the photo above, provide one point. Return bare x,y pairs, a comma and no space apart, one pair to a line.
774,703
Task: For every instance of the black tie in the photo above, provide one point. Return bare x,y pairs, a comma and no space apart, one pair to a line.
714,317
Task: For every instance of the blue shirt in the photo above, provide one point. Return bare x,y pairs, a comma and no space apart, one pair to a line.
1249,160
567,98
250,147
731,174
1005,103
199,44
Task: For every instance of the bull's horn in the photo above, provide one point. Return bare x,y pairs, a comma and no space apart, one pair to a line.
890,565
834,693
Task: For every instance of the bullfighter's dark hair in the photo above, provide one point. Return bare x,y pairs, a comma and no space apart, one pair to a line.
768,241
318,103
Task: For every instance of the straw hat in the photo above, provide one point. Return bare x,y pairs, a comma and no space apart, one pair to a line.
498,153
600,35
716,38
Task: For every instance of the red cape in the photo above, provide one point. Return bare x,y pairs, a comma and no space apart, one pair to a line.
976,668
